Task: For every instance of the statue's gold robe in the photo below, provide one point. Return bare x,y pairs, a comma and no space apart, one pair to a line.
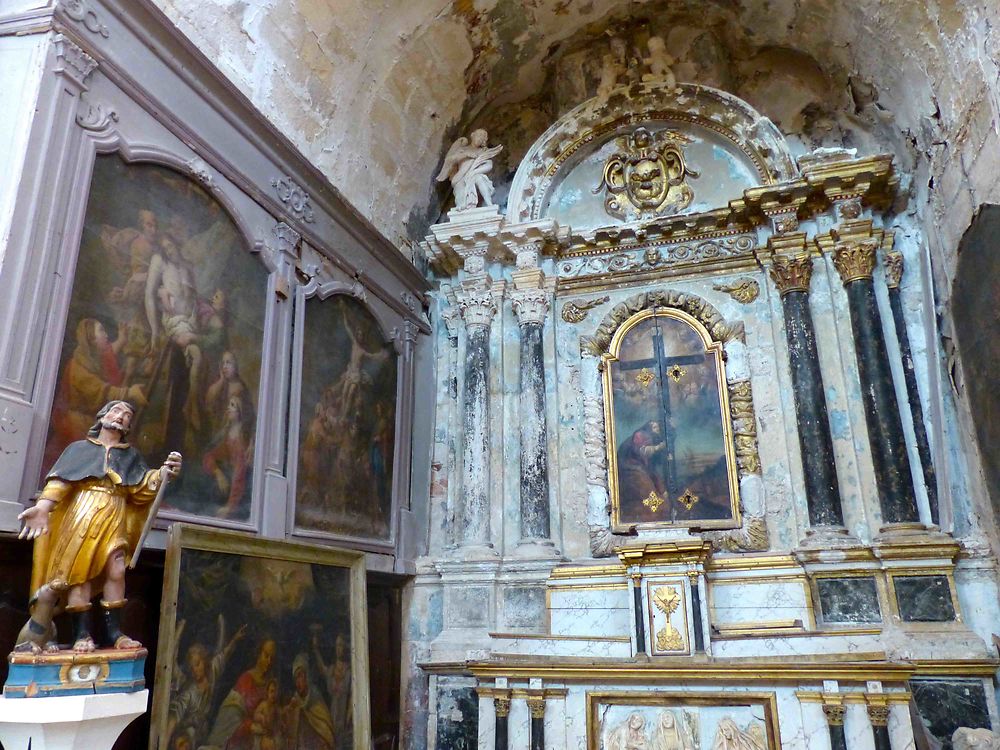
90,519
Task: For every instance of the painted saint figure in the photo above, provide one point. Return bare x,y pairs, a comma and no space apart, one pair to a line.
467,164
308,725
642,463
232,728
86,525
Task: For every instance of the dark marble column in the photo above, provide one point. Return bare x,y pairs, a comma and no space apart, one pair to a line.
699,633
835,723
855,262
792,274
531,307
879,715
893,275
640,626
478,307
502,707
536,705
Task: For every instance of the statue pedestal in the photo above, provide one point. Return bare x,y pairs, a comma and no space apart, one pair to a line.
72,722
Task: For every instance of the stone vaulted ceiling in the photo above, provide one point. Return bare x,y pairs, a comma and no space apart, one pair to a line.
373,91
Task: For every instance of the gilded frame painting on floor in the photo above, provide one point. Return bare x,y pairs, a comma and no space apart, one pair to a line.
678,721
671,456
263,645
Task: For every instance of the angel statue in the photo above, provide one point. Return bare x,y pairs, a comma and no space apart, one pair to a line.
467,165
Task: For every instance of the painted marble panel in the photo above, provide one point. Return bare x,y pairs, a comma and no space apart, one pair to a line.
671,721
848,600
924,598
457,718
167,312
672,462
945,705
348,422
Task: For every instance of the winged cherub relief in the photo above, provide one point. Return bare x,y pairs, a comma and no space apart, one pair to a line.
467,165
647,176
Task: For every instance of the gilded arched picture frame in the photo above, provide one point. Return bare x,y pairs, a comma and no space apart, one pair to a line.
671,457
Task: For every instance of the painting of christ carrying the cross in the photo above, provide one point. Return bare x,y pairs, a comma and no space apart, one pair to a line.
670,447
167,312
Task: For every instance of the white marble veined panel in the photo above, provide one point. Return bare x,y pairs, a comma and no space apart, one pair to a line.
747,601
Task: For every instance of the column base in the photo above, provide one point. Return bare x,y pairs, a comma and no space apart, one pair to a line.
828,537
69,722
537,549
474,552
911,532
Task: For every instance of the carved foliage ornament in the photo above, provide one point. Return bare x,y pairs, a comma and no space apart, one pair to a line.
744,427
294,197
80,10
95,116
855,260
576,312
646,176
792,273
694,306
743,291
893,269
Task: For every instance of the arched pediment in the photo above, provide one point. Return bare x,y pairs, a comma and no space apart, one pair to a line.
713,147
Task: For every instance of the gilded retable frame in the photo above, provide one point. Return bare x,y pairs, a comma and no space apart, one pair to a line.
187,537
714,348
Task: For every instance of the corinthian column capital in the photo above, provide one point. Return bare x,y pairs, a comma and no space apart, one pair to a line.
893,268
478,306
531,305
855,260
792,273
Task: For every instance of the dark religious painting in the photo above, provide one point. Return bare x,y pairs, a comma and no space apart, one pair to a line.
347,422
263,646
946,704
167,311
670,449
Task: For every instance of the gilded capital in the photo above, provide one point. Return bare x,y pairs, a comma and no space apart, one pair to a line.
834,714
537,707
502,707
792,273
893,269
878,714
855,260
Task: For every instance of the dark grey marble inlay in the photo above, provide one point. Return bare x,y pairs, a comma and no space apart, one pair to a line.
457,718
924,598
848,600
945,705
524,606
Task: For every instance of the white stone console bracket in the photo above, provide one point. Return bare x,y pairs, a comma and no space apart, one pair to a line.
70,722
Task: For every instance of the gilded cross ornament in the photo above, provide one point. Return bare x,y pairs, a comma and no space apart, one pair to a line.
688,499
855,260
792,273
647,176
743,291
893,269
645,377
676,373
654,501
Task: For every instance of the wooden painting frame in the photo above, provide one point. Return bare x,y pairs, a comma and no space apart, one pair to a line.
713,348
188,537
767,701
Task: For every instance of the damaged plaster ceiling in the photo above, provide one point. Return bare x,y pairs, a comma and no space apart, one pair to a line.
374,91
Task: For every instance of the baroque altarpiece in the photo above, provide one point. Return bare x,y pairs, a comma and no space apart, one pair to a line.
678,500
